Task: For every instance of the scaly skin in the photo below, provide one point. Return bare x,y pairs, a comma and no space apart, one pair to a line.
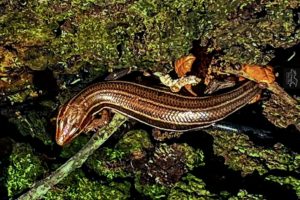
157,108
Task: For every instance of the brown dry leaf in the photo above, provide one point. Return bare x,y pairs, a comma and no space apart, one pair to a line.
184,65
259,73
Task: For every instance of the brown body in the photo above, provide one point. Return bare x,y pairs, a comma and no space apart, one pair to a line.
157,108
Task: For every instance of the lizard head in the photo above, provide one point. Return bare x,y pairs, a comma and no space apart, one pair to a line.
68,123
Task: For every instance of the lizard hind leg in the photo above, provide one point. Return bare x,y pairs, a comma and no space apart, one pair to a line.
98,121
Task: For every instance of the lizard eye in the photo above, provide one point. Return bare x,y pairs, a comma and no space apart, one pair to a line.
71,119
73,116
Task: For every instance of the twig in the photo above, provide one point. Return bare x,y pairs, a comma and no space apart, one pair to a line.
281,109
273,87
41,187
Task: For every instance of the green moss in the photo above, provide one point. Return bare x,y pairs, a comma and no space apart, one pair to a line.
287,182
109,163
184,153
152,191
190,187
244,195
106,34
21,96
92,41
242,154
24,168
167,28
77,186
103,35
32,124
134,141
245,29
194,157
130,39
145,33
164,169
72,148
38,58
25,27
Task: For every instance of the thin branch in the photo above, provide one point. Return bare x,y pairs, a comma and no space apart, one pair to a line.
273,87
41,187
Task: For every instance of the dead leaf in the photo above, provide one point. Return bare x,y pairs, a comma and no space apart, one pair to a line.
259,73
184,65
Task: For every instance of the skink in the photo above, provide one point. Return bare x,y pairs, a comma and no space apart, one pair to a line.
157,108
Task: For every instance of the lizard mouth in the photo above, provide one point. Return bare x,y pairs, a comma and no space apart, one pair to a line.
65,133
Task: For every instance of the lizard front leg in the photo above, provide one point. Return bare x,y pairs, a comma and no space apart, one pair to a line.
96,123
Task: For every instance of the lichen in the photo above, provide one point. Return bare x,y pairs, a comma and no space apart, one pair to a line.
190,187
242,154
278,112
